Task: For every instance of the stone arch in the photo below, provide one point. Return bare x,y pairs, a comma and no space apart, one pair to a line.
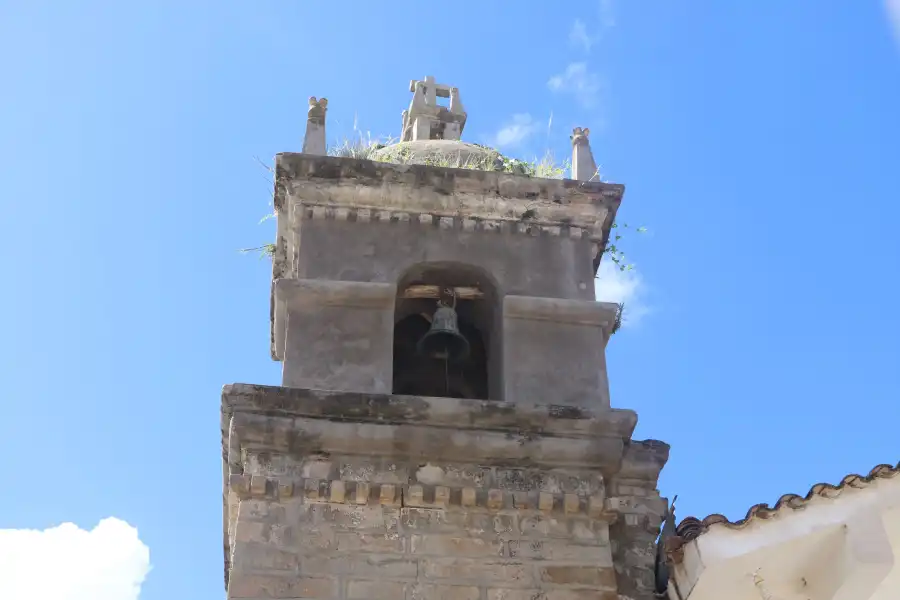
480,375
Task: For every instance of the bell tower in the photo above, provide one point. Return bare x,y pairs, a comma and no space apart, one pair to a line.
443,428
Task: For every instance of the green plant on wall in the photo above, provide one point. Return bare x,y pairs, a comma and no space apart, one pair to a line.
266,250
614,250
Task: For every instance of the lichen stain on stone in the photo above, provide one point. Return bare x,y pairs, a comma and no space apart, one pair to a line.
557,411
349,406
487,411
351,472
430,474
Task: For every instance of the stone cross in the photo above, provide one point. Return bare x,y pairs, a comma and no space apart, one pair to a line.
425,119
432,90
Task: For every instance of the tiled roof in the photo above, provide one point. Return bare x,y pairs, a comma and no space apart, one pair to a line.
692,527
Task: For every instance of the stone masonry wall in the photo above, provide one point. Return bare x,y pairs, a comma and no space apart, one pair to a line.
357,540
641,511
351,495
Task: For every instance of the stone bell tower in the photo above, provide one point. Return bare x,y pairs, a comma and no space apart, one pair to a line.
443,429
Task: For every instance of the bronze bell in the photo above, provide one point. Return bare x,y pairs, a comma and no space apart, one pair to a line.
443,340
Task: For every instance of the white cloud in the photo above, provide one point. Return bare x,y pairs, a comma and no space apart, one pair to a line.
68,563
607,14
614,285
578,81
892,7
579,37
520,128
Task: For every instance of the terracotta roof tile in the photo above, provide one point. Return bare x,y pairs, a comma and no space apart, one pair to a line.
692,527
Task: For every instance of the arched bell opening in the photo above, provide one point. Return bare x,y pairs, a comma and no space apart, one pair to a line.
445,333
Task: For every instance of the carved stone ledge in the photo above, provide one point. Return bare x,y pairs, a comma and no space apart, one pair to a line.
444,220
257,487
407,441
455,413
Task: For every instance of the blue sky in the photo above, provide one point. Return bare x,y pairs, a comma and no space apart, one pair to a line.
758,142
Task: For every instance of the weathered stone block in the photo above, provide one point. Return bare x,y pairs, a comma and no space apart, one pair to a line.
374,565
264,557
252,531
273,465
554,594
375,589
344,517
338,491
560,550
505,572
287,586
445,592
448,545
576,370
263,510
370,542
473,523
578,575
311,537
362,493
452,475
257,486
316,468
361,566
544,526
581,595
338,334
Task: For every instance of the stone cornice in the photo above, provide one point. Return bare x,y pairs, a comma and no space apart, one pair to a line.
286,420
455,413
467,192
572,312
446,220
319,293
258,487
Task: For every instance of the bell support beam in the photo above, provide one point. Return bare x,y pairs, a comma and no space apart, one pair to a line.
434,292
337,334
576,370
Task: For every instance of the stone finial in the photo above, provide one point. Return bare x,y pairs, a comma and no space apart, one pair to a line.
317,109
583,166
314,141
580,135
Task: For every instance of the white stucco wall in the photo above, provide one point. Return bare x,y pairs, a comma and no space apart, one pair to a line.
831,548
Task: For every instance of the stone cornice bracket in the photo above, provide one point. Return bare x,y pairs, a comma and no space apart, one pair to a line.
314,141
584,168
